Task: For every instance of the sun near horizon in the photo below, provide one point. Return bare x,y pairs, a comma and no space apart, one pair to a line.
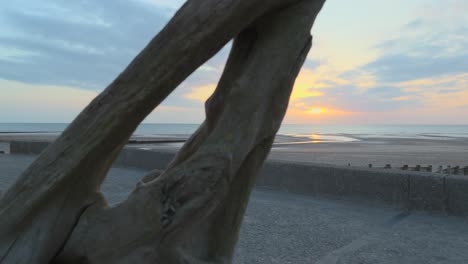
406,62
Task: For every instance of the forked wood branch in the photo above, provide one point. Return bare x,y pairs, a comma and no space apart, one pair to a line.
192,212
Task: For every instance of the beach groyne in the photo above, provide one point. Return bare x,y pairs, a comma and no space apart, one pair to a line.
405,190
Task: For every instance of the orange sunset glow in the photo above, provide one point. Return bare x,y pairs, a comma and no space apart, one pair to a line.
409,65
317,111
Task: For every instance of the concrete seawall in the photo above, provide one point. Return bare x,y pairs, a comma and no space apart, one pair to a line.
397,189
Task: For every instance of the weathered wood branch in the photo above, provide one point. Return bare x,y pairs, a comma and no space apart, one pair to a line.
206,186
193,211
65,179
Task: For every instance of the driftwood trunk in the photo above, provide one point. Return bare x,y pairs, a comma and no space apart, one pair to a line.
192,211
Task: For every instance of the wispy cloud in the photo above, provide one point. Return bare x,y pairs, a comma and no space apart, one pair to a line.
22,102
385,61
83,44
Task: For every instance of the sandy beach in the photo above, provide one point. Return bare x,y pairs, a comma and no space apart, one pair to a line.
356,150
379,151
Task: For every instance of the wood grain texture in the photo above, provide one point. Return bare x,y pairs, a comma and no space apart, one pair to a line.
191,213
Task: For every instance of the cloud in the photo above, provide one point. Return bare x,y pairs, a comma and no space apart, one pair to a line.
401,67
414,24
312,64
386,92
201,93
22,102
350,98
84,44
449,91
171,5
423,49
415,61
418,69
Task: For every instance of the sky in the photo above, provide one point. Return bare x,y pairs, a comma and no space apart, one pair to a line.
372,62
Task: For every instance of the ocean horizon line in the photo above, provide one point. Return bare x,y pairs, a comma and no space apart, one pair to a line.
289,124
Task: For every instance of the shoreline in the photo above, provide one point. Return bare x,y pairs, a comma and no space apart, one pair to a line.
360,152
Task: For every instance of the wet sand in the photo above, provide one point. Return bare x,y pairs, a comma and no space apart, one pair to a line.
356,150
365,150
379,151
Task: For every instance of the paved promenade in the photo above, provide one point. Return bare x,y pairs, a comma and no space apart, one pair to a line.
284,228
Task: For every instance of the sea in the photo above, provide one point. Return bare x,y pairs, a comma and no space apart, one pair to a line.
326,132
